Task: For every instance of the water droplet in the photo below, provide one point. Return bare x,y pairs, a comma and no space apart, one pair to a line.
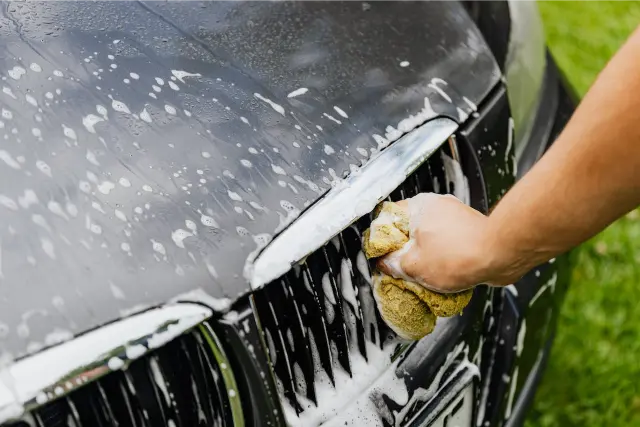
180,74
90,121
68,132
106,187
120,107
9,160
191,225
31,100
7,91
178,237
43,167
47,247
341,112
158,247
145,116
234,196
208,221
120,215
16,72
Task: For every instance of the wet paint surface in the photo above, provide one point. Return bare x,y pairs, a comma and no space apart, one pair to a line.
146,150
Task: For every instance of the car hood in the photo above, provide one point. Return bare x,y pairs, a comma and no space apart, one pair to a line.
148,150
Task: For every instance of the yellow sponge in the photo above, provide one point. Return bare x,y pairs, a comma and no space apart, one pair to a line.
408,308
382,239
395,214
403,310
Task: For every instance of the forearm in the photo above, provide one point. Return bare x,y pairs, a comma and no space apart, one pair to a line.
588,178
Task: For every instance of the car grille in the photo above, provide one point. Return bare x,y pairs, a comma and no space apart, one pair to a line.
319,321
179,384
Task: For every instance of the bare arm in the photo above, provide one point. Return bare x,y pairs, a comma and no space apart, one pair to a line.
590,177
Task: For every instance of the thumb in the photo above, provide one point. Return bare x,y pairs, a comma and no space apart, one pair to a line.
394,264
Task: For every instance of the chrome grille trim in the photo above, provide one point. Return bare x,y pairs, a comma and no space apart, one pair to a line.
336,211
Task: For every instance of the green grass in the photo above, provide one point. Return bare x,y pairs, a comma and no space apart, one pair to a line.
593,377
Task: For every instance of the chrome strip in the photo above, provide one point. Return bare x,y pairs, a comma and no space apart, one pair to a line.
57,371
233,393
349,200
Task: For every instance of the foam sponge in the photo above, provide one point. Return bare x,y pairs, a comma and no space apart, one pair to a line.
408,308
402,309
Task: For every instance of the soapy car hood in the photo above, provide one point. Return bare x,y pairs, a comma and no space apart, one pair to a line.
147,150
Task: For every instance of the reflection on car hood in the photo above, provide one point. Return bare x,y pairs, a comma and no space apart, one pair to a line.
148,149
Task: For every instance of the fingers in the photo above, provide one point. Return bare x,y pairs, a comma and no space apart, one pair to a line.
404,204
391,264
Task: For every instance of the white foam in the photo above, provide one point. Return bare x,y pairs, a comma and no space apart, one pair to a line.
298,92
9,160
276,107
333,119
181,74
16,72
340,111
120,107
178,237
89,121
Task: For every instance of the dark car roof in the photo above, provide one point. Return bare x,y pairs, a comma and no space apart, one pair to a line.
147,149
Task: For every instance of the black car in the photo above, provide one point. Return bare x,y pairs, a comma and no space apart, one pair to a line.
183,190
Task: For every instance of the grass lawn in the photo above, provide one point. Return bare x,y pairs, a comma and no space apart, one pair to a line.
593,377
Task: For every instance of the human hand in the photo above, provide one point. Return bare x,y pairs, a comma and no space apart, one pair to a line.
451,247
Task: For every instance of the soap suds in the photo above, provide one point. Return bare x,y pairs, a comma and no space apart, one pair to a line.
276,107
298,92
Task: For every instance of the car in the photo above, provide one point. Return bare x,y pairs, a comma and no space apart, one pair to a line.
183,191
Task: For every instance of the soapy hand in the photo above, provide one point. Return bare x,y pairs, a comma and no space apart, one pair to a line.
450,247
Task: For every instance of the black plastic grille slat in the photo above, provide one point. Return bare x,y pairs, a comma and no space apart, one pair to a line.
350,250
436,170
179,384
316,326
92,408
337,329
212,386
202,374
55,414
340,312
146,392
135,412
160,390
396,195
178,374
297,334
119,400
104,403
295,300
275,323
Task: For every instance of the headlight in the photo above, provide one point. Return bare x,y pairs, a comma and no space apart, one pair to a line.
524,68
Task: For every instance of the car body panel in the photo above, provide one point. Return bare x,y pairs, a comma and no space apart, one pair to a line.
150,148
